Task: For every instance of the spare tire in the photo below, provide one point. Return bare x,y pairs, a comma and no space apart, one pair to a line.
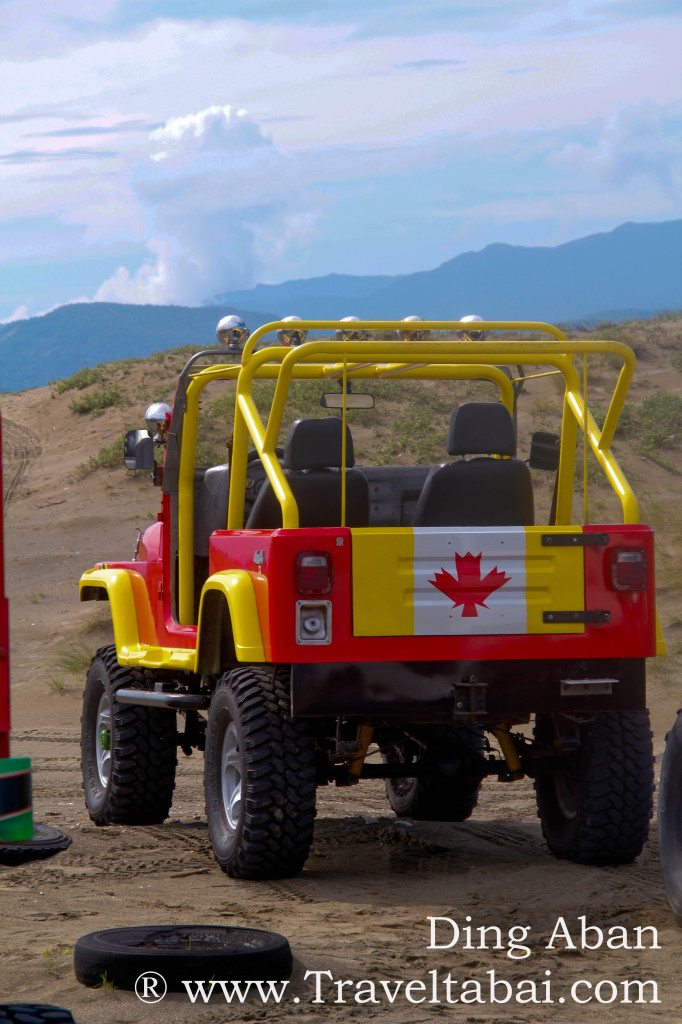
33,1013
181,952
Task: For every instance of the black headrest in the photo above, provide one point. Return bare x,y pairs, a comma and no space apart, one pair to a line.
316,444
481,428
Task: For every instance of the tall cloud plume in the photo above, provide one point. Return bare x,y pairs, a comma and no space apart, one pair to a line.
212,194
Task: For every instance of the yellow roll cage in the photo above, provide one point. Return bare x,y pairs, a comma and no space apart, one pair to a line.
329,359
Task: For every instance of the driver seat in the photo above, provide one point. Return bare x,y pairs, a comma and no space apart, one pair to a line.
312,465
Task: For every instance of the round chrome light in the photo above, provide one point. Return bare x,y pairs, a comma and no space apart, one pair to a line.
156,418
468,335
350,334
290,335
412,334
232,332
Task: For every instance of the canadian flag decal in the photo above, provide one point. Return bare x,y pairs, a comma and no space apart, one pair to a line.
469,580
468,588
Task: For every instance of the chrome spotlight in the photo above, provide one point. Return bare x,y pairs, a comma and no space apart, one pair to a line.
157,418
472,335
410,334
289,335
232,332
348,334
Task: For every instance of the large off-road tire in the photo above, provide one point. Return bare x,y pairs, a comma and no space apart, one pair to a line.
448,791
177,952
595,803
259,776
128,752
670,818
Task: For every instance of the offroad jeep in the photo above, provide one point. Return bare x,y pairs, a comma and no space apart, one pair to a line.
315,621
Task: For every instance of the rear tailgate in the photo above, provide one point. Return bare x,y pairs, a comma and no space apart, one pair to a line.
464,581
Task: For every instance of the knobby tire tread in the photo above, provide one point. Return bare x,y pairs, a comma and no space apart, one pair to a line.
144,754
616,799
279,781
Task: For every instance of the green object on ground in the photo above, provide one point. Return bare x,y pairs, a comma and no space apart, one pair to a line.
16,803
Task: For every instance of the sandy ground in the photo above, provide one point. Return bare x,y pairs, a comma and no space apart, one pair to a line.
359,909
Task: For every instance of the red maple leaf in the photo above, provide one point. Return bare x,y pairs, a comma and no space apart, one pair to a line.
467,588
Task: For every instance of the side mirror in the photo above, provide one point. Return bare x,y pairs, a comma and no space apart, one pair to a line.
354,400
138,450
545,449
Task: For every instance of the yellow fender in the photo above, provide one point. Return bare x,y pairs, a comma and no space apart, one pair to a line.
134,631
233,588
115,586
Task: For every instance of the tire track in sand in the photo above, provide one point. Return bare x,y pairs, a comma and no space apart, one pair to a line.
20,447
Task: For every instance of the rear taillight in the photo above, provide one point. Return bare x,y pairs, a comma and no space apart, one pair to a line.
314,573
629,569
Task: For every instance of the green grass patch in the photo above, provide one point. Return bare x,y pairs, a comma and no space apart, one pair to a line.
109,456
75,657
653,425
105,983
98,400
56,685
81,379
124,366
51,957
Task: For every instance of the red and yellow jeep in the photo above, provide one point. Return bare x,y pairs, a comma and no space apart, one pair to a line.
304,613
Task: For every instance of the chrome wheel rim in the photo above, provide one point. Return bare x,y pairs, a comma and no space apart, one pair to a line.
103,739
402,787
231,776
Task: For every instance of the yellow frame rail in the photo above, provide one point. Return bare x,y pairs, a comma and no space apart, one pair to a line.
328,359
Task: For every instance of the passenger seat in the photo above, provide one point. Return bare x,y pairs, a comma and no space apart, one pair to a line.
479,491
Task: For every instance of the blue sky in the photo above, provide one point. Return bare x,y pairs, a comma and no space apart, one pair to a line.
168,150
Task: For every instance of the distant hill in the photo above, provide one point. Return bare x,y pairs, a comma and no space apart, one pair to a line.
49,347
631,272
340,286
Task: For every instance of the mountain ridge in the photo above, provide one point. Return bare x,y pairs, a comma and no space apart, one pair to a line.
636,267
632,272
47,347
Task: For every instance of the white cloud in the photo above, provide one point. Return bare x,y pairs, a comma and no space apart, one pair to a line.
644,139
150,284
342,89
213,193
20,313
371,126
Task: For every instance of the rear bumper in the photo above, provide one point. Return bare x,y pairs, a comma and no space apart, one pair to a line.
431,691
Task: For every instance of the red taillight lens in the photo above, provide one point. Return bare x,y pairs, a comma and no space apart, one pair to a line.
314,573
629,569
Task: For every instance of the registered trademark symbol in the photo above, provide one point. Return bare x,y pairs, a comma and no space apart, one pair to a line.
150,987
